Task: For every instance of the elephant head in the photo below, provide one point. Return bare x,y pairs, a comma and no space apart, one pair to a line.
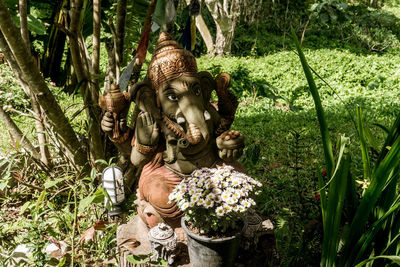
177,96
184,109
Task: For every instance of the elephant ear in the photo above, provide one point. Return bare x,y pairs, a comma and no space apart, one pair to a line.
207,84
144,96
227,101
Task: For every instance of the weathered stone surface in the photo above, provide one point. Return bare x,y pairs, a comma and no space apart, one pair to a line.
261,253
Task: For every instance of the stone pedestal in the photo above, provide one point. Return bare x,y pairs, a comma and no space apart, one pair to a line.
132,239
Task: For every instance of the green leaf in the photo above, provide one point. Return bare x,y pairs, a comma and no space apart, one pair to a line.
101,161
3,184
393,258
336,196
368,236
39,202
381,175
50,184
363,145
159,13
372,141
62,262
24,207
326,141
85,202
138,259
96,197
322,195
35,25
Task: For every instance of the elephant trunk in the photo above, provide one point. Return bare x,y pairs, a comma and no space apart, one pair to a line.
196,124
193,134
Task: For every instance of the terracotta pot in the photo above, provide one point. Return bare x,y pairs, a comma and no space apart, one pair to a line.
212,252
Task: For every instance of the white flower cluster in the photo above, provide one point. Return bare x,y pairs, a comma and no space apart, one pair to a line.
221,189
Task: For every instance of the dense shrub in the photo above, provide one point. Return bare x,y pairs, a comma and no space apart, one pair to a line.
365,29
327,23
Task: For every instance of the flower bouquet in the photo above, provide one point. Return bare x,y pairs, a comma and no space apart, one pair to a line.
215,200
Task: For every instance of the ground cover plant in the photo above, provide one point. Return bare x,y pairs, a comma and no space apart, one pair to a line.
277,116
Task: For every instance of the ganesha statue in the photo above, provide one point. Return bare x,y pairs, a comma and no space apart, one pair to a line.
176,128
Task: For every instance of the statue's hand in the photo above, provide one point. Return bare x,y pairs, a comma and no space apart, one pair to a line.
230,145
107,123
147,131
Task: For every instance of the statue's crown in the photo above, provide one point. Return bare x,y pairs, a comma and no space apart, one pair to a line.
169,61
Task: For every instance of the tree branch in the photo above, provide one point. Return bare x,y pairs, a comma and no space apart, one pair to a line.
64,30
17,133
27,184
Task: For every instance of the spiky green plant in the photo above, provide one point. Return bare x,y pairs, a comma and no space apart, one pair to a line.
373,223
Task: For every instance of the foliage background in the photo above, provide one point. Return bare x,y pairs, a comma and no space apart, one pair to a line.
353,47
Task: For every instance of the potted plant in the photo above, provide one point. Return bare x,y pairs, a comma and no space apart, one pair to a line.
214,202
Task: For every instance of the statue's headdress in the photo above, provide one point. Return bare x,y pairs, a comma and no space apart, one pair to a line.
169,61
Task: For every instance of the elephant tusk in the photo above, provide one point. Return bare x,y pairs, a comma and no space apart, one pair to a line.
207,115
180,120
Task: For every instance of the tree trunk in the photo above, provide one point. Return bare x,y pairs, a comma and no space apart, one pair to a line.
224,37
40,130
54,51
111,75
205,33
89,91
120,31
225,21
96,40
115,55
39,87
24,22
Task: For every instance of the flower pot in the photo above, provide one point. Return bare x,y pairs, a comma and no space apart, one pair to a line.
206,251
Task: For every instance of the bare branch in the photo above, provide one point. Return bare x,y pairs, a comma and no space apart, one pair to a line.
17,133
27,184
64,30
